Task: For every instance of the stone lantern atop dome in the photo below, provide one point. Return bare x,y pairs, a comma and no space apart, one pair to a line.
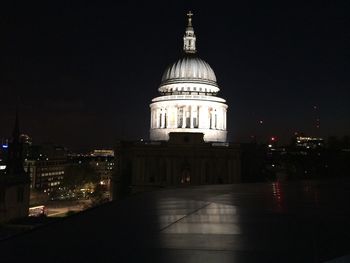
188,101
190,37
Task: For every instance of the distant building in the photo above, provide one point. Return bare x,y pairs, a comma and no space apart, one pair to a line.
3,157
103,163
102,153
4,143
14,182
309,142
46,165
24,140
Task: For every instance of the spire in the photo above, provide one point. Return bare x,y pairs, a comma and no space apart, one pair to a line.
14,165
189,37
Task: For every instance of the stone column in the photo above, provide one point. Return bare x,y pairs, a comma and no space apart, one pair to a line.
184,117
157,118
154,118
188,115
172,117
191,116
200,117
195,115
224,124
203,117
222,118
163,118
219,119
215,114
175,116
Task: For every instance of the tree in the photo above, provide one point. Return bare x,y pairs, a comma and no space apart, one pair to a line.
77,175
98,196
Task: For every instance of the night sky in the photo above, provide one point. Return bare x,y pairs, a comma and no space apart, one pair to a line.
84,74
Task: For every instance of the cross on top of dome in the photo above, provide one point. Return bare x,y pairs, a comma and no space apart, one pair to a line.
189,14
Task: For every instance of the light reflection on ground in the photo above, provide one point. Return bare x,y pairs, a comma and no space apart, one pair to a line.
265,222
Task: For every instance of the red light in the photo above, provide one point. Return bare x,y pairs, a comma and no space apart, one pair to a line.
273,139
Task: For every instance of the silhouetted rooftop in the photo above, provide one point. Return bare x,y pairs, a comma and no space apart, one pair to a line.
295,222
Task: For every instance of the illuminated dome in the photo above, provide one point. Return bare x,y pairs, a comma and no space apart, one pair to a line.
190,68
188,100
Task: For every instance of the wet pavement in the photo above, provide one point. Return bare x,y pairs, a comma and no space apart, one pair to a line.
271,222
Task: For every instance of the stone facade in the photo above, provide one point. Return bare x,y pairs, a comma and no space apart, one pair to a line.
186,159
14,201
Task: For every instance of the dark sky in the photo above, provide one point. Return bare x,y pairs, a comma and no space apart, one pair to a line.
86,73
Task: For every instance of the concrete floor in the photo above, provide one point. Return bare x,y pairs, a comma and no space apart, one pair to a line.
295,222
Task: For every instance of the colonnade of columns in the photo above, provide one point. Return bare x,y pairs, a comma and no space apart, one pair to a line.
188,116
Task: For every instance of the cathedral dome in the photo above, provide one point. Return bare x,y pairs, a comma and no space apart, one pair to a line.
189,68
189,101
